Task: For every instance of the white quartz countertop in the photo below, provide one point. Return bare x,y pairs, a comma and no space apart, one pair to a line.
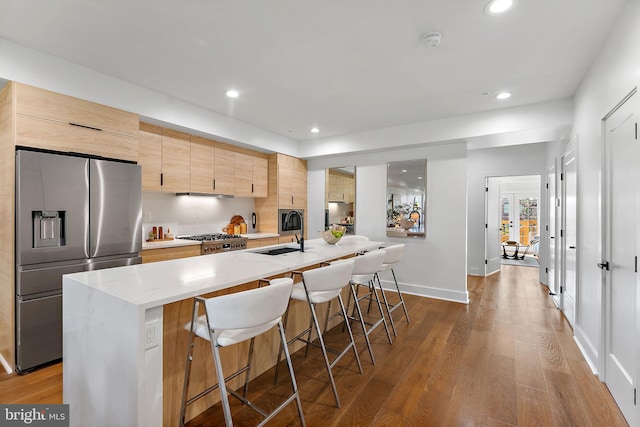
184,242
252,236
155,284
169,244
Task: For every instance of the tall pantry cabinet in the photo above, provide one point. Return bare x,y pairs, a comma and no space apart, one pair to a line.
287,189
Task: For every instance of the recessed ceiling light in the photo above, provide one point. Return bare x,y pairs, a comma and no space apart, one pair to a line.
232,93
503,95
419,177
404,170
315,130
496,7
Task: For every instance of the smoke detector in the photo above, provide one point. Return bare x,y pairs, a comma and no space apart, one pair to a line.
431,39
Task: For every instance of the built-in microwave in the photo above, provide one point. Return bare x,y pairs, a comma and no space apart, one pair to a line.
290,221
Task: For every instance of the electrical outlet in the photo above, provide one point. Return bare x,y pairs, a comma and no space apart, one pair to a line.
152,334
147,217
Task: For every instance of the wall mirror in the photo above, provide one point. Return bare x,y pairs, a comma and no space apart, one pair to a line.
340,197
406,198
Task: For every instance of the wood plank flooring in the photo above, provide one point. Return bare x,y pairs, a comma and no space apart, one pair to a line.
506,359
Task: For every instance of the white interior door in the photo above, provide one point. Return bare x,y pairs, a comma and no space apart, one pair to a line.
569,235
492,226
622,184
551,235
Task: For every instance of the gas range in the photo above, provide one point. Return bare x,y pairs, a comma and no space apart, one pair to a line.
215,243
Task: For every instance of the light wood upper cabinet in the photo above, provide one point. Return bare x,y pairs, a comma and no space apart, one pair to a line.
202,164
340,187
285,184
260,175
251,173
299,183
336,187
150,156
349,189
58,122
165,158
224,171
292,182
176,161
243,173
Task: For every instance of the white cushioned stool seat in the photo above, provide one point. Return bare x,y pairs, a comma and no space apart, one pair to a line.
230,336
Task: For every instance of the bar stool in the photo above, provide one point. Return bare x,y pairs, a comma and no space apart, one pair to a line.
364,269
393,256
232,319
321,285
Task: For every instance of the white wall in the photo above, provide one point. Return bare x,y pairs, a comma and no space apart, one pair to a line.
529,159
192,214
434,266
614,73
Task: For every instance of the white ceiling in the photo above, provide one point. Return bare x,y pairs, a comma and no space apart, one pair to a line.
343,66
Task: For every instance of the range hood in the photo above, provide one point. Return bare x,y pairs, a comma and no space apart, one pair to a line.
216,196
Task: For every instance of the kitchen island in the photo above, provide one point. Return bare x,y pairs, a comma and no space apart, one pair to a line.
123,345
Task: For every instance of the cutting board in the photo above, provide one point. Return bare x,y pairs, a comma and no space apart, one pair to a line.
235,220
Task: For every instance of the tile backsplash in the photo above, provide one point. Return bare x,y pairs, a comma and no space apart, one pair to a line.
192,214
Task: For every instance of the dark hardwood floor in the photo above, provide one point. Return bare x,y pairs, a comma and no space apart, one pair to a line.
506,359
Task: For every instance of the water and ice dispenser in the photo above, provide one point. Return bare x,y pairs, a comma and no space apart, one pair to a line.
48,229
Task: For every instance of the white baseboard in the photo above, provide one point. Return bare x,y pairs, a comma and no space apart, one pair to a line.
587,349
429,292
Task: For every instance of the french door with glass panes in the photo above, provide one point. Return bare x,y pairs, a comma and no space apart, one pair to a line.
519,217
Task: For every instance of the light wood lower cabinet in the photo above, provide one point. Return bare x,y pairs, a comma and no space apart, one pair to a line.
165,254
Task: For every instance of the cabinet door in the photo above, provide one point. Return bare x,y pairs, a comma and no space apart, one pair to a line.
349,189
165,254
260,175
35,102
336,187
176,161
299,183
285,186
202,164
223,173
150,156
57,136
58,122
243,174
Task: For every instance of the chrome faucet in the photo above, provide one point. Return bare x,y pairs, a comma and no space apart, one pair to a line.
301,239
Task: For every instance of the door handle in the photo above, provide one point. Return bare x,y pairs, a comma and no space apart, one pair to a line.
604,265
572,247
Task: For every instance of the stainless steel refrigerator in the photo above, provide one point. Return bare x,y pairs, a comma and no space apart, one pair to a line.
73,214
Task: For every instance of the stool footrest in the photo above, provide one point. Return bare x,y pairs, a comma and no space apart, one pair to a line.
215,386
